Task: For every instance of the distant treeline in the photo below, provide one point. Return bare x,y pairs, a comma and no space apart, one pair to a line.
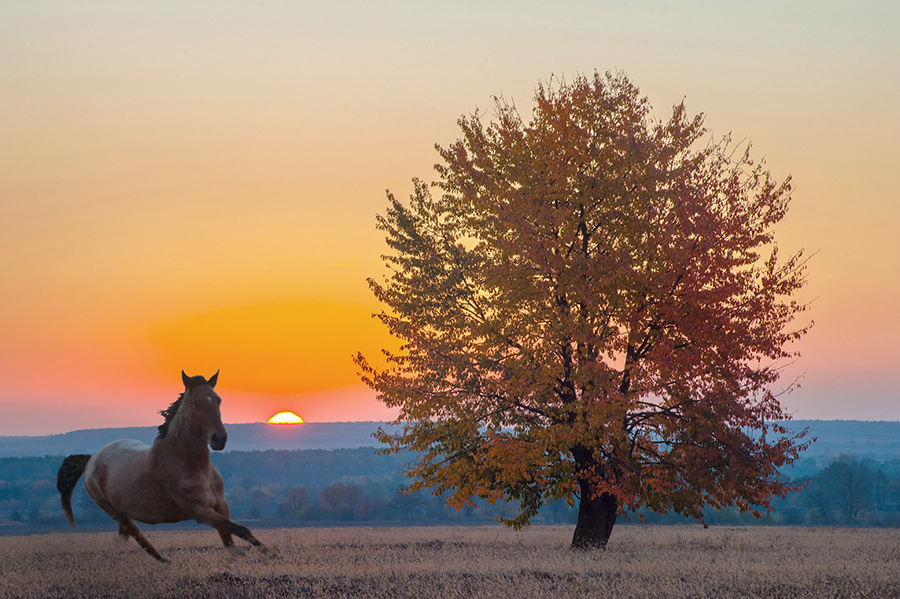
359,485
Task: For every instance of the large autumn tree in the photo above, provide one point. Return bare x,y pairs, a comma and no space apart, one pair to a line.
594,309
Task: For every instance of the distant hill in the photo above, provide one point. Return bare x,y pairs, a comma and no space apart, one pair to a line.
878,440
241,437
875,440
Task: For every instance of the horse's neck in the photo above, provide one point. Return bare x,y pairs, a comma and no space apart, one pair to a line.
179,446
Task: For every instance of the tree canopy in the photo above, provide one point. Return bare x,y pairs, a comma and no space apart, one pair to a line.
593,309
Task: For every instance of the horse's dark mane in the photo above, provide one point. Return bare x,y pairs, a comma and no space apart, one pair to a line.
169,415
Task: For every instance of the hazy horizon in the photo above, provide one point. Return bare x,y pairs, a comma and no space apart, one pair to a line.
300,425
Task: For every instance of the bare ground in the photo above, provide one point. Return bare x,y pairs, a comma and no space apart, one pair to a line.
642,561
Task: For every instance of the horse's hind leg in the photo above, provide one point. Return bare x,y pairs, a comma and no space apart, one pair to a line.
129,528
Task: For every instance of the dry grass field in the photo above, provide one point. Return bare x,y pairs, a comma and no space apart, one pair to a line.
642,561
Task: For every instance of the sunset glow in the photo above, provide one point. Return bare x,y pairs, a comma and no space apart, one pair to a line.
285,418
194,186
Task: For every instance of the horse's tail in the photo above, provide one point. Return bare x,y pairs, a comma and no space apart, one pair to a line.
69,472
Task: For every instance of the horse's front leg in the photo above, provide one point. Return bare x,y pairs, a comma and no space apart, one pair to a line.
224,532
226,527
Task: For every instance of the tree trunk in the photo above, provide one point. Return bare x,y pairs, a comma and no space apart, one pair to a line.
596,517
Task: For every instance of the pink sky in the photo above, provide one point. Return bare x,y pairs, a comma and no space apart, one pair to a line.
194,185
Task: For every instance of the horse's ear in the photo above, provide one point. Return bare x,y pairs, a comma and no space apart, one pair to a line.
186,380
213,379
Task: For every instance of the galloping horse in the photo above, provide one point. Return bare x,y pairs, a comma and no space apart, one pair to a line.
169,481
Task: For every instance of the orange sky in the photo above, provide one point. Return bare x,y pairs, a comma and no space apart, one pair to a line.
194,185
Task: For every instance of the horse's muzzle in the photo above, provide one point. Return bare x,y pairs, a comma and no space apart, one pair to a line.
217,441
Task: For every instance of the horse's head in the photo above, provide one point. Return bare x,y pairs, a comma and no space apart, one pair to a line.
203,405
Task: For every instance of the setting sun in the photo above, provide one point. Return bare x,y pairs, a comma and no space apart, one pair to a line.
285,418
